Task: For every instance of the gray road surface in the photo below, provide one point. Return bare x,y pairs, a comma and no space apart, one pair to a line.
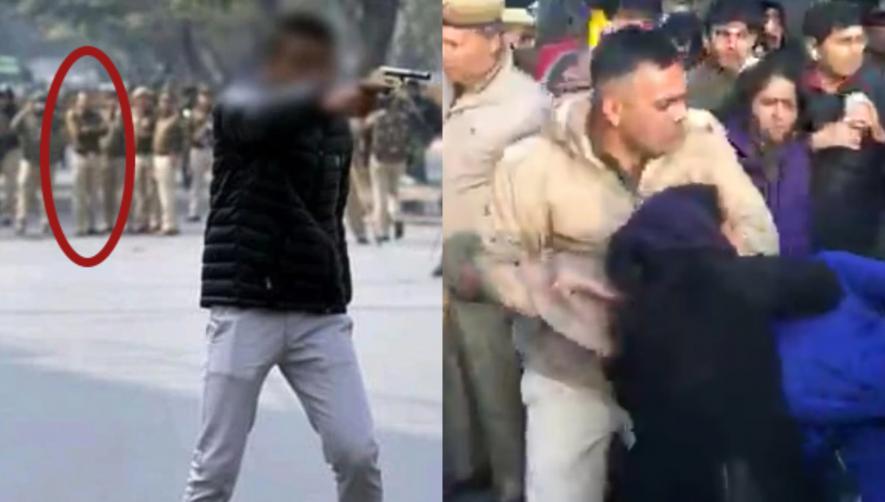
100,375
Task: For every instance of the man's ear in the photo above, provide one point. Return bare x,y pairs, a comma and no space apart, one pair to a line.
611,109
497,43
811,46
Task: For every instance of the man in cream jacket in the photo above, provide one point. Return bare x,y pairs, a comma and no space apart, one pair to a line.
556,200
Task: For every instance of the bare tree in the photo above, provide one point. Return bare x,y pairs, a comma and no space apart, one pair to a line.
375,20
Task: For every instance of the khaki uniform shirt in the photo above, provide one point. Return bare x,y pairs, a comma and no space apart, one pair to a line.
169,136
478,124
85,130
200,129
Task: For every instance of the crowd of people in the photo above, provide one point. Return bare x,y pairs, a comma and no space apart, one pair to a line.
662,253
173,144
173,137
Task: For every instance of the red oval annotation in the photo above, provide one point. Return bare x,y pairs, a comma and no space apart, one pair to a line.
45,138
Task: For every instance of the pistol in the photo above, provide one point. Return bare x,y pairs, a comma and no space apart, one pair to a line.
404,74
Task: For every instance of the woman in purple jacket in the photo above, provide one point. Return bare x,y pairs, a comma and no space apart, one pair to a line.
762,127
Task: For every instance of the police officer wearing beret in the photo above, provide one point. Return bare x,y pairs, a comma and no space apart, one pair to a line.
492,105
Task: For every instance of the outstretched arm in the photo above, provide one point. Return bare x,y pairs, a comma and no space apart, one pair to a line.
788,287
250,112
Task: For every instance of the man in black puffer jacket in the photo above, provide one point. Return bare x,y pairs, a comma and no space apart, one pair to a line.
275,264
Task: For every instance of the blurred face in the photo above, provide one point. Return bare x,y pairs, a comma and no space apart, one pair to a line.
204,101
142,103
298,59
648,108
468,54
842,53
775,110
166,105
731,45
774,28
110,101
83,101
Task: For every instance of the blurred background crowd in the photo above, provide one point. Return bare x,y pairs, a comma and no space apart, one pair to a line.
175,56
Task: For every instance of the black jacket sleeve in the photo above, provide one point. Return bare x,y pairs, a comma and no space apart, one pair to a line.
789,287
346,281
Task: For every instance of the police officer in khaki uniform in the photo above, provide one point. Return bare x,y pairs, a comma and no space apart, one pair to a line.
556,200
391,129
168,148
85,128
200,165
493,105
27,125
113,162
144,206
10,155
359,198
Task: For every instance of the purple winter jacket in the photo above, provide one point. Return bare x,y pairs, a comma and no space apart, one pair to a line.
787,193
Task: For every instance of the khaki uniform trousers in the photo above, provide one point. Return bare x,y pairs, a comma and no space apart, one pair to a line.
464,455
145,208
166,177
86,190
30,195
111,182
483,339
571,417
201,171
358,201
385,194
9,167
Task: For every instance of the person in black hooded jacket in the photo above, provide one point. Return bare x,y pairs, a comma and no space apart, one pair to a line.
698,368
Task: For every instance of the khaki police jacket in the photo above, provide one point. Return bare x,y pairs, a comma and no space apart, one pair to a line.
478,125
553,196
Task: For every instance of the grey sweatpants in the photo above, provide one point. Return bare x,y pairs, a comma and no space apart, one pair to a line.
316,356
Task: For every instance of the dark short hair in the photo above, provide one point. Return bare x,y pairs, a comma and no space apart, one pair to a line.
651,8
304,25
776,5
686,31
620,53
823,19
735,11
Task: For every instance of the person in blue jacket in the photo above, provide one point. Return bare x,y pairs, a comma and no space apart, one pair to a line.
834,374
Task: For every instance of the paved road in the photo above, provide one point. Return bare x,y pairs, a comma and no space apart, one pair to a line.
100,375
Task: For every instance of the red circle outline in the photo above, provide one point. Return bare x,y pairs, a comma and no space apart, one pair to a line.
129,176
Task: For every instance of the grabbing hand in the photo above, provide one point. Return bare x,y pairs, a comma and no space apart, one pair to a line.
469,283
568,286
840,134
863,116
